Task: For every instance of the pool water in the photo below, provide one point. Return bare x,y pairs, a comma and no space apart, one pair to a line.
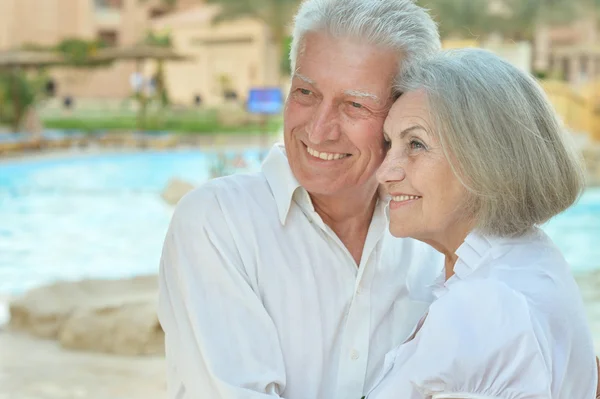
101,216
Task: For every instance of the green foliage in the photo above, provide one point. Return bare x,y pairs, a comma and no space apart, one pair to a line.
158,39
192,122
461,18
17,93
79,52
514,19
525,15
540,74
285,67
168,3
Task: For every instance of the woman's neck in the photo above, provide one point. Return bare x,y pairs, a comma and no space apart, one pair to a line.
448,243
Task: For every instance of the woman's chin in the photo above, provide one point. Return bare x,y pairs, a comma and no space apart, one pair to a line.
400,232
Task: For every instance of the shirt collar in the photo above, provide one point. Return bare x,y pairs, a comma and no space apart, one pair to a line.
281,180
471,254
476,250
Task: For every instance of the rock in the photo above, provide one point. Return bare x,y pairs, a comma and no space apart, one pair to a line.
4,312
175,190
125,329
78,313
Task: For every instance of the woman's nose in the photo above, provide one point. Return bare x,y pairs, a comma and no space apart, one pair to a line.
391,170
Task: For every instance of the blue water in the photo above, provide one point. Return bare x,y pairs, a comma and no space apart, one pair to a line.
101,216
97,216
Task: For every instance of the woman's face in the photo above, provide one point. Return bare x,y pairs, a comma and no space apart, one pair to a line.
428,201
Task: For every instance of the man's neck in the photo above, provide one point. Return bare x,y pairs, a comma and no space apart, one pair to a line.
349,216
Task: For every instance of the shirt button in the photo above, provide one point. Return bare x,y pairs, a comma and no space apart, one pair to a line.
360,290
354,355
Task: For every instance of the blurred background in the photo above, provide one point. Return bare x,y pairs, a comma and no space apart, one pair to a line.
111,110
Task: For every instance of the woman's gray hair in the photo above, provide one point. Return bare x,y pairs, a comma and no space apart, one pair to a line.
399,25
502,137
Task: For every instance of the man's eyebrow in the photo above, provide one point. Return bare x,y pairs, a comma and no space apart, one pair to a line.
305,79
362,94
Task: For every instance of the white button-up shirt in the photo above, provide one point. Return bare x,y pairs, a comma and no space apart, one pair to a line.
259,298
509,324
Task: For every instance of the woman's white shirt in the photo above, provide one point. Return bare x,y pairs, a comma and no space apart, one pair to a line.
509,324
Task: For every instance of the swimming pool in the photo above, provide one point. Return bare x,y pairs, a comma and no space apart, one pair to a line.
101,216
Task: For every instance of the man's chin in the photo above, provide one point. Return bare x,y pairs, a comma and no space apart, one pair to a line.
321,187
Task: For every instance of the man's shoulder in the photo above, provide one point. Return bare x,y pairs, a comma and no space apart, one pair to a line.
229,194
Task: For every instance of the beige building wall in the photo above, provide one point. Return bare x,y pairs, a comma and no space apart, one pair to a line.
239,52
44,22
131,24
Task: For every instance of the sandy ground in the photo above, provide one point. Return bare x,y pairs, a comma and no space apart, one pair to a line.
38,369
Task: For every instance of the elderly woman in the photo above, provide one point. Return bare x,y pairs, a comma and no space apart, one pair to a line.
476,162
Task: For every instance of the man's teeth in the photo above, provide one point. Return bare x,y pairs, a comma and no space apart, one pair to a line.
401,198
326,156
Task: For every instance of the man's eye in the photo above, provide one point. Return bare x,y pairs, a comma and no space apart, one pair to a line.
306,92
356,105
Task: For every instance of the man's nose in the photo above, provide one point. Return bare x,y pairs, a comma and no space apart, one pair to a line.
324,125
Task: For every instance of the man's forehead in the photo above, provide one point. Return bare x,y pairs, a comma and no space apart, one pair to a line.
359,93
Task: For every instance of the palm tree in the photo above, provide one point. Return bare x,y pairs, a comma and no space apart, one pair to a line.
514,19
523,16
461,18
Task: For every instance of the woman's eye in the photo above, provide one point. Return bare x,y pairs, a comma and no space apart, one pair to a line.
416,145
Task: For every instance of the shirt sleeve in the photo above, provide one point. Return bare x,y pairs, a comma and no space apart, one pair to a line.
220,341
480,341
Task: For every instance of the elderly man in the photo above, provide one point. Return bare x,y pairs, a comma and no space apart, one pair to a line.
286,283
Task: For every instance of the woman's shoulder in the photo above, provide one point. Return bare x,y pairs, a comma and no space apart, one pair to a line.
481,303
531,266
477,339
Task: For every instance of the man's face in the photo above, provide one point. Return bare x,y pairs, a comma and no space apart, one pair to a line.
333,120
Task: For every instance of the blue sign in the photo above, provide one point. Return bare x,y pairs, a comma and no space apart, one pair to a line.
265,101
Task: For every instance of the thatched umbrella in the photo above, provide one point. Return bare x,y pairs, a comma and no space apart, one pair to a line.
140,53
13,60
24,59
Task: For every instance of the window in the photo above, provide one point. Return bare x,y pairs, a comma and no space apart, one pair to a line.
111,4
157,12
109,37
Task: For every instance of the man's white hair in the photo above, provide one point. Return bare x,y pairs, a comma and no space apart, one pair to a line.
399,25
